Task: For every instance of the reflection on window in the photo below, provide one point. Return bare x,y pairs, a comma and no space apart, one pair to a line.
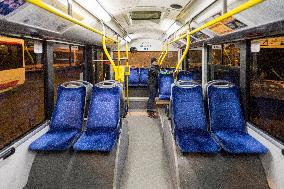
68,64
224,63
267,87
32,60
11,56
22,106
195,64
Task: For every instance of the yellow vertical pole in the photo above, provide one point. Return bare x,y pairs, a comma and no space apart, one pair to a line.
161,55
127,76
118,61
109,57
165,54
184,54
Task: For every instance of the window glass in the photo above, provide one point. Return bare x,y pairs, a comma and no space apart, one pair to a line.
11,56
68,64
195,64
21,92
224,63
267,87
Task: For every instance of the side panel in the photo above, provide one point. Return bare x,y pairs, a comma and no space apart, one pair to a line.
273,162
14,171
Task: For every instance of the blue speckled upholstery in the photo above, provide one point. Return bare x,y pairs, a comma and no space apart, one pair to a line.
143,77
228,123
189,120
134,77
66,121
103,120
184,75
165,82
8,6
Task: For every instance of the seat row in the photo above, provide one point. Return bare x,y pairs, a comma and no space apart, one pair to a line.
227,126
138,77
166,79
67,123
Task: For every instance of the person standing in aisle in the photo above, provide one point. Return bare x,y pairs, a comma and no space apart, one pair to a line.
153,84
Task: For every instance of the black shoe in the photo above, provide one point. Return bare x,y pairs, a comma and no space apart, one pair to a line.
150,114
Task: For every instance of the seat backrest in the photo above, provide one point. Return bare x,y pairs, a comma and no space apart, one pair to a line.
143,76
165,82
184,75
104,111
69,109
134,77
225,108
188,107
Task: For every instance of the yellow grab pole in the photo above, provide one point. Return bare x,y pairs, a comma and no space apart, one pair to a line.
237,10
61,14
161,55
109,57
184,54
126,52
127,64
118,63
165,54
118,53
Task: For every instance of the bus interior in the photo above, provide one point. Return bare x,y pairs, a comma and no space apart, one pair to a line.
140,94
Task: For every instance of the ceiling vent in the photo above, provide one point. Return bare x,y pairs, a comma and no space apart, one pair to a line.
145,15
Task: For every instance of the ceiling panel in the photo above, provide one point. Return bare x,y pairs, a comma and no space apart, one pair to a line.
121,10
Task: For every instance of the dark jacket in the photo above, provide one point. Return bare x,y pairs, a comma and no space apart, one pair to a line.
153,76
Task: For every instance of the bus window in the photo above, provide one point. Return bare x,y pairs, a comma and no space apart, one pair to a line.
194,63
12,71
68,64
224,63
11,57
22,108
267,87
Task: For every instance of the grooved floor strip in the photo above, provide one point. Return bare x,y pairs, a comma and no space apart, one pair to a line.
146,164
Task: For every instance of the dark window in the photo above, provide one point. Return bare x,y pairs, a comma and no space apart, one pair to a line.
22,108
195,64
267,88
11,56
224,63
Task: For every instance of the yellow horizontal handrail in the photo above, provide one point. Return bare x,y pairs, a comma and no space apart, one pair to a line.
61,14
237,10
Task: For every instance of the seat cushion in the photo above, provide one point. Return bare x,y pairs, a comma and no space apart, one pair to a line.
55,140
197,141
134,77
143,77
165,82
239,142
96,141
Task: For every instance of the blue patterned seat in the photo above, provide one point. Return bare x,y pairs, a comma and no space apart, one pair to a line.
227,120
165,81
103,121
184,75
66,121
143,77
189,120
134,77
